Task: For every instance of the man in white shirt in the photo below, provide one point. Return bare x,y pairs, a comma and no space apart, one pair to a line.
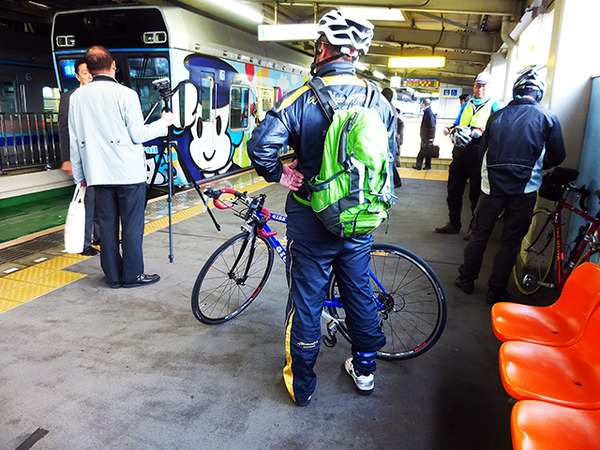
106,131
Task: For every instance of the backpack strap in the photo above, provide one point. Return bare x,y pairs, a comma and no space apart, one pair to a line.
323,95
372,96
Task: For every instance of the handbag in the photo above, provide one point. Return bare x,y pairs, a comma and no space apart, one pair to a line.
75,224
431,151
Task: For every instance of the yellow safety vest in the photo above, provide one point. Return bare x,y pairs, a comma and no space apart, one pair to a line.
476,116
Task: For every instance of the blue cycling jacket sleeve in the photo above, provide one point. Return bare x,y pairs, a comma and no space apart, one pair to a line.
267,140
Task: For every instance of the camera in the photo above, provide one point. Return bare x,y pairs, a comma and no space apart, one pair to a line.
163,86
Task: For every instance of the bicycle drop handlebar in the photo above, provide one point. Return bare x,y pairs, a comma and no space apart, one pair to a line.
254,205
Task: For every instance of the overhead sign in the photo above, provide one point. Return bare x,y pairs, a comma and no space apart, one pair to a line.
422,82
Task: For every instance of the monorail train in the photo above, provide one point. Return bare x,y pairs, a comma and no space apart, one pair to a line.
237,77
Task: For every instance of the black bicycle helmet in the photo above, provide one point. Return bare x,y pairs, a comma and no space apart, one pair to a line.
342,29
529,83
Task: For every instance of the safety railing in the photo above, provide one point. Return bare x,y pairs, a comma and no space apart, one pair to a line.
28,140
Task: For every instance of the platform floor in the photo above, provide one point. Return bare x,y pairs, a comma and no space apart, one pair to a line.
85,366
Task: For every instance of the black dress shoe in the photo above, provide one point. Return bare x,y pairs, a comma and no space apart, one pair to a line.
142,280
90,251
115,285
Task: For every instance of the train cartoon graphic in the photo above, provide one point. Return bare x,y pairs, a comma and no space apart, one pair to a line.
237,79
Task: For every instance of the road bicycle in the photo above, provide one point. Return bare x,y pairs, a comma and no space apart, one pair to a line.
543,248
409,296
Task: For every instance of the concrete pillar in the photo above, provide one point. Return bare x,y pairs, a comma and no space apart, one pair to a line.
573,60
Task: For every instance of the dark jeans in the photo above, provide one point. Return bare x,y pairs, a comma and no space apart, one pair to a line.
465,165
518,210
309,266
122,204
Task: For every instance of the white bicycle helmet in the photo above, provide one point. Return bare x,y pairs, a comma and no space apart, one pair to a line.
529,83
461,136
344,30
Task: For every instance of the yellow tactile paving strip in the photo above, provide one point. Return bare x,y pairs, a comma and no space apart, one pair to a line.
32,282
434,175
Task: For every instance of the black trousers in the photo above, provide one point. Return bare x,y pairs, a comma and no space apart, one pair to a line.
518,210
92,224
465,165
420,157
124,204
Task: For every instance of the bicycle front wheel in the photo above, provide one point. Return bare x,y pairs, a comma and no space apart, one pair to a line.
411,302
537,253
231,279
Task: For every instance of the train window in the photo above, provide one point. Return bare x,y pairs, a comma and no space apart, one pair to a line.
206,91
239,99
142,72
265,101
51,98
67,74
8,99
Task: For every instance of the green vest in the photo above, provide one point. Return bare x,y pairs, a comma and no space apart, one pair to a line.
476,116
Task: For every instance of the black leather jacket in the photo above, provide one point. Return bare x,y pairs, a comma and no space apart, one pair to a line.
298,120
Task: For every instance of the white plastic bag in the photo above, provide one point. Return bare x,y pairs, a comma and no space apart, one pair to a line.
75,225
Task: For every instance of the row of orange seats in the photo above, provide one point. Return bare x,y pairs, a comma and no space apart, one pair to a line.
550,362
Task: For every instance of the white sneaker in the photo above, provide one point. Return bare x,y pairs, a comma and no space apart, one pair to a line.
364,383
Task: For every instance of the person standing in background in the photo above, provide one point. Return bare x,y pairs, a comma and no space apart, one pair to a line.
106,132
463,99
92,226
427,133
466,154
521,140
388,93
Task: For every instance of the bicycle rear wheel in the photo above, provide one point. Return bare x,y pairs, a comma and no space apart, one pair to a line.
231,279
413,304
537,253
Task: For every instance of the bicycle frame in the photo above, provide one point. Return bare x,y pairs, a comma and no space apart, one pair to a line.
335,303
563,271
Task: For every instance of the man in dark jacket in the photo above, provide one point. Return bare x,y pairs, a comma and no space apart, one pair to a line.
427,133
519,142
92,226
299,121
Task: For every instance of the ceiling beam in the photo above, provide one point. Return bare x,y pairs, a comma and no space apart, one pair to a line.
461,41
490,7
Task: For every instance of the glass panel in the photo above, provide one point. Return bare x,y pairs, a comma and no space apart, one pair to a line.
240,107
67,74
206,95
142,72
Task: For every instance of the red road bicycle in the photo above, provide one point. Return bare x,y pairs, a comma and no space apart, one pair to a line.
543,248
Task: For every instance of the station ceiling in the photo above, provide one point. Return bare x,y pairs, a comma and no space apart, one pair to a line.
466,32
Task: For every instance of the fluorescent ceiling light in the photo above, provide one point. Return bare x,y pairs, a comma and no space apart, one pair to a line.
240,9
290,32
388,14
404,62
378,74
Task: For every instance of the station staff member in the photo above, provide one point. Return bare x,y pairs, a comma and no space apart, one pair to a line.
466,154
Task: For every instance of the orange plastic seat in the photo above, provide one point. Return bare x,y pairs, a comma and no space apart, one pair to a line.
568,376
560,324
541,426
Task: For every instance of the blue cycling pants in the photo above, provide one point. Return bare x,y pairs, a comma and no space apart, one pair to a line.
309,267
